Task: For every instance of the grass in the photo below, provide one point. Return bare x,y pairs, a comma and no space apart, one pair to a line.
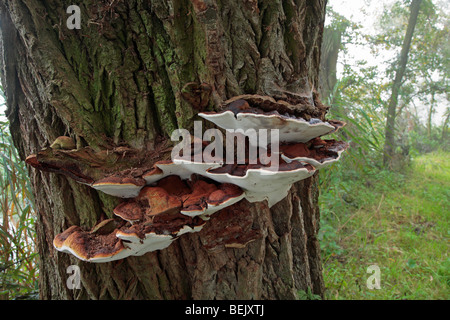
397,221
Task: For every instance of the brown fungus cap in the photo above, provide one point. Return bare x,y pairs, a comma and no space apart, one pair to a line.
150,202
103,245
120,186
317,152
197,199
262,182
92,247
258,112
224,192
106,168
172,194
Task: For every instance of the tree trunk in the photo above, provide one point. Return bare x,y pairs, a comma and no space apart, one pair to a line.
119,78
328,71
430,114
389,145
444,132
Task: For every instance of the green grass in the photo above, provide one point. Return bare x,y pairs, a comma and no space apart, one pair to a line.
397,221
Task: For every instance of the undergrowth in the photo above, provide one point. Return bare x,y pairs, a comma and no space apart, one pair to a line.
395,220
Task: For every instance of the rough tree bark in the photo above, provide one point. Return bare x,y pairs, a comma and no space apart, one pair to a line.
119,80
389,145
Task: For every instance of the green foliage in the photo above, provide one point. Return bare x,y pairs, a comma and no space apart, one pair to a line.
399,221
307,295
423,140
18,260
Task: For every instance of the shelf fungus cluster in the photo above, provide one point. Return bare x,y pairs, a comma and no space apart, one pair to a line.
150,221
164,197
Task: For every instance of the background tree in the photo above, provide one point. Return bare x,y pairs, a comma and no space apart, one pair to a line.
118,81
429,65
339,33
425,81
389,145
331,46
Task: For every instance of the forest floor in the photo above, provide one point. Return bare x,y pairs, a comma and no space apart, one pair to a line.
398,222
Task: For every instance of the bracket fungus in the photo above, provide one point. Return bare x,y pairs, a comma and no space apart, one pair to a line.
142,238
122,187
259,182
90,246
163,199
182,168
123,242
117,171
317,152
189,197
238,115
151,221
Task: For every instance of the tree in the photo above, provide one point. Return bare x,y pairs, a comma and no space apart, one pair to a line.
330,52
428,62
117,81
389,146
444,132
335,37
